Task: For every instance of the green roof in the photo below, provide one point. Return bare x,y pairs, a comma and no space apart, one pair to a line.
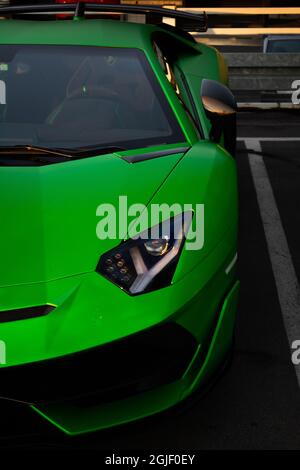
92,32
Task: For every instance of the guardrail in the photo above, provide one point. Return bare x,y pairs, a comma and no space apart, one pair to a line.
263,78
258,80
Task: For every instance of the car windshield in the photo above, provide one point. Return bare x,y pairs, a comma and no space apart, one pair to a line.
73,97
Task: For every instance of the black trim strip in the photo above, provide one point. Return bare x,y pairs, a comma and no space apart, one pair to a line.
25,313
156,154
192,101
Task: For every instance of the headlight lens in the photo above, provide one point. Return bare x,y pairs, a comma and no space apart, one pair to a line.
148,261
158,246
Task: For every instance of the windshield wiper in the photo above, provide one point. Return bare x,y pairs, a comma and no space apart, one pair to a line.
44,155
34,148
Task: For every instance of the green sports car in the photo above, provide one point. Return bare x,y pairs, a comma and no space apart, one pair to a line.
118,207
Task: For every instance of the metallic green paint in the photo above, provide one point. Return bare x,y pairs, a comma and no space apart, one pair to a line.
49,249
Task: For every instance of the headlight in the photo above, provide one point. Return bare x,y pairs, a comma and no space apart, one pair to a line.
148,261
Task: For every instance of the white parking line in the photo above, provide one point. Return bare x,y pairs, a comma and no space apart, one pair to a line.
268,139
281,260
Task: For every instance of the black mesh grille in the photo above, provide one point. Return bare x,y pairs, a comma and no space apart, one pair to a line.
156,356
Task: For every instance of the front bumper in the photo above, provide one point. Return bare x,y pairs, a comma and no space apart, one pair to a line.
97,361
82,416
140,362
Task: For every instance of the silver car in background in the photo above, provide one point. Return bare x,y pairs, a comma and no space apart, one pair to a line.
283,43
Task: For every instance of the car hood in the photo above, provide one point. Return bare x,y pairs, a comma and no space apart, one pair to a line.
48,213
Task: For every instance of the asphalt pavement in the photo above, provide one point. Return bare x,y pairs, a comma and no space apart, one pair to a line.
256,403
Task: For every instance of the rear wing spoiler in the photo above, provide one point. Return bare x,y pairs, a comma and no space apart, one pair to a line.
188,21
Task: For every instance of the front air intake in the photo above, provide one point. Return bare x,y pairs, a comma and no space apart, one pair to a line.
25,313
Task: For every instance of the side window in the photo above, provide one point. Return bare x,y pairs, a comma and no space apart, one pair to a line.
165,65
177,86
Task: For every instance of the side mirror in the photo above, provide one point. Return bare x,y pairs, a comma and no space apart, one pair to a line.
220,107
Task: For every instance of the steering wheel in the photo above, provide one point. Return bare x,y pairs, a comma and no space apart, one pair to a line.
89,91
97,92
